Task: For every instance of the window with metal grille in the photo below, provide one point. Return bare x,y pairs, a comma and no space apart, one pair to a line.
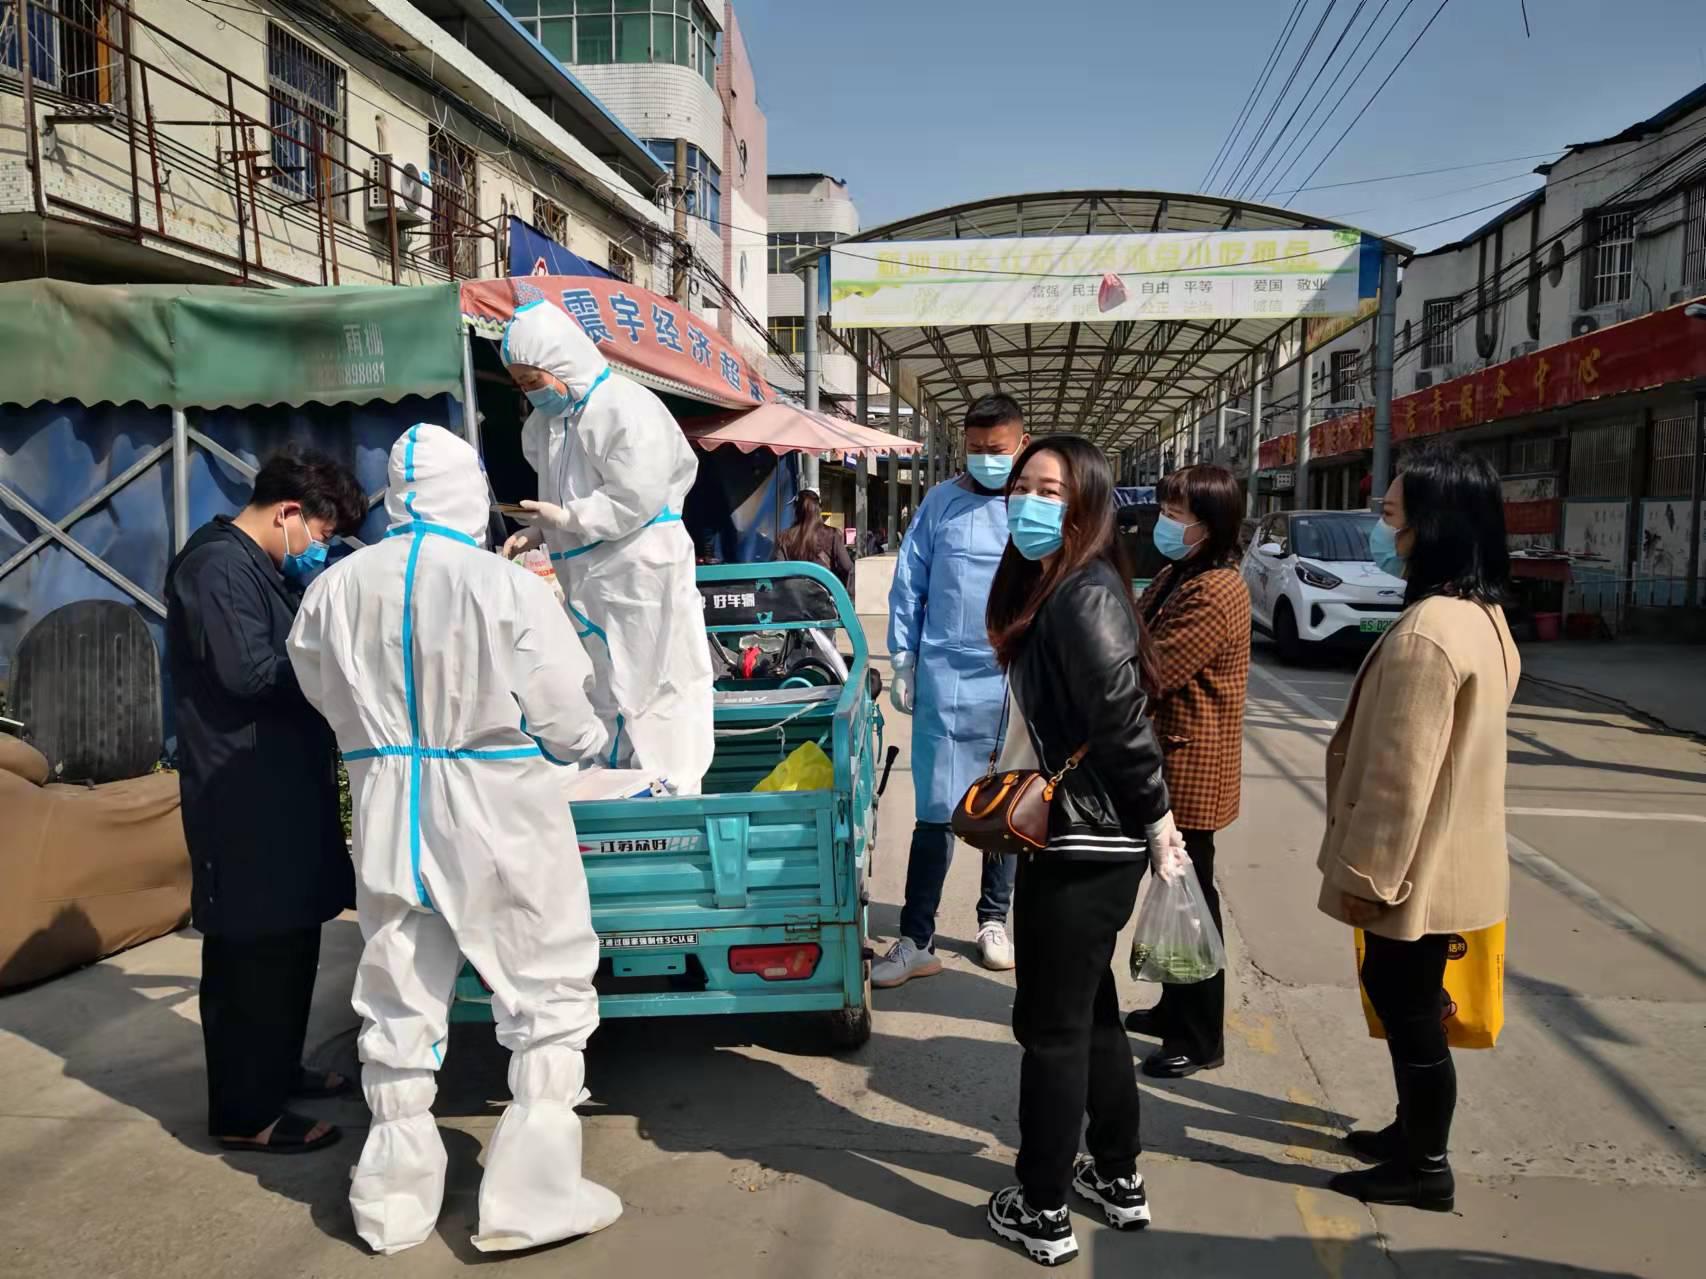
1439,319
620,262
455,204
789,332
551,219
1694,236
1673,456
1533,456
69,48
306,114
1601,460
1610,260
1344,376
785,246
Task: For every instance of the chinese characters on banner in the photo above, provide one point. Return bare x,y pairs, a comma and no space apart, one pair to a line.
1652,351
634,328
1279,275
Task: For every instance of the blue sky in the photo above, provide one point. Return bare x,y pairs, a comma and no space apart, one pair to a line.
923,103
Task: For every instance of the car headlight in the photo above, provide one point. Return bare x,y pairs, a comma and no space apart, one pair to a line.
1319,578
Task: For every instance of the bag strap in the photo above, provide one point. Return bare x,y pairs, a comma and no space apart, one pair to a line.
1076,758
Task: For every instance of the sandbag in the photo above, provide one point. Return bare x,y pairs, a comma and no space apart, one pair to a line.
89,871
20,759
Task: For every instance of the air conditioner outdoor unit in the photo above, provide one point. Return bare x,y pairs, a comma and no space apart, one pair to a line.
1524,348
411,188
1583,324
1424,379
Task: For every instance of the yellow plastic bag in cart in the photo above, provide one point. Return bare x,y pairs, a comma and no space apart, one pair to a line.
1474,1011
808,768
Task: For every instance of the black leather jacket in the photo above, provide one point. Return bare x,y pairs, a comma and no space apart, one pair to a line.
1076,680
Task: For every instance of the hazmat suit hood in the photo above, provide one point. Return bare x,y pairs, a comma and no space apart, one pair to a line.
436,478
546,338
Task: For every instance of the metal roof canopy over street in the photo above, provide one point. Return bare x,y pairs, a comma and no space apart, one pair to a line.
1120,382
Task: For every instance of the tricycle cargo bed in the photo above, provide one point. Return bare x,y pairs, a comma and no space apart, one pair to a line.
740,901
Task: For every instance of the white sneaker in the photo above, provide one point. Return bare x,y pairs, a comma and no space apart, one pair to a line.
903,962
994,947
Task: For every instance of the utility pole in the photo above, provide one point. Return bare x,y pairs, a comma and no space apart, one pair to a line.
862,412
1696,486
1254,451
1305,380
1385,338
808,273
683,246
893,526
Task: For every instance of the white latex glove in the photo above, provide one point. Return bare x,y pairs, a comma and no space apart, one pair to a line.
1167,856
549,515
518,544
905,682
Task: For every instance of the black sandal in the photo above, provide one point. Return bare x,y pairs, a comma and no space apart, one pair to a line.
289,1136
312,1085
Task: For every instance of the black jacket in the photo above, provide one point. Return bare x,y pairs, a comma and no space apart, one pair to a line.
257,765
1077,681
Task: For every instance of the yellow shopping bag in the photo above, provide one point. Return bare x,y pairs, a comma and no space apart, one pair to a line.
808,768
1474,986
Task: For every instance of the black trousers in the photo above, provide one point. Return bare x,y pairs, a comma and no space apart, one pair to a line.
255,994
1193,1017
1066,1016
1404,980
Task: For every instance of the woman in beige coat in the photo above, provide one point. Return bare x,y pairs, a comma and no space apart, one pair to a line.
1415,844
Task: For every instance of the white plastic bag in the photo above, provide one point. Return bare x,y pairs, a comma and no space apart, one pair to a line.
1175,940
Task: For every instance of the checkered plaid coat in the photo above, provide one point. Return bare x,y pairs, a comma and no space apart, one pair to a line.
1200,632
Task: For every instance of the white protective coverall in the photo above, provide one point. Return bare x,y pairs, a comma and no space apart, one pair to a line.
619,467
453,681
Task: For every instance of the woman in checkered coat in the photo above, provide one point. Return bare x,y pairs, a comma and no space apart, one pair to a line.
1198,615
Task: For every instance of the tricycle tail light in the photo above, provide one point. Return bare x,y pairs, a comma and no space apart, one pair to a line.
791,961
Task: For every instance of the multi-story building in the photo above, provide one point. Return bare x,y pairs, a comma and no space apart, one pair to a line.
678,71
807,210
302,141
1554,340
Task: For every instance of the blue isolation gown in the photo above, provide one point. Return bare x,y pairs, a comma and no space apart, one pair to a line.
936,612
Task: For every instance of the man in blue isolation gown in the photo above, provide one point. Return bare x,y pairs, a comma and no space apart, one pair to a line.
945,676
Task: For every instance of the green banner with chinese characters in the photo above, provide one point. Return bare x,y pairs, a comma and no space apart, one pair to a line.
191,346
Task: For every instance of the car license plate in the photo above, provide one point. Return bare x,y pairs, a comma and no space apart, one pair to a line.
1377,625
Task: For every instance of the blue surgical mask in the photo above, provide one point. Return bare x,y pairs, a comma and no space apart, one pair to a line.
550,400
990,469
1383,545
1170,537
1034,523
301,566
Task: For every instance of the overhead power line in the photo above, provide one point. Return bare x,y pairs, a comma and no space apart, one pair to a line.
1231,139
1230,183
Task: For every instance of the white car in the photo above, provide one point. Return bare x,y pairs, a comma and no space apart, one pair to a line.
1313,581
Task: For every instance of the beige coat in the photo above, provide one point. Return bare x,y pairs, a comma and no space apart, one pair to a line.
1416,775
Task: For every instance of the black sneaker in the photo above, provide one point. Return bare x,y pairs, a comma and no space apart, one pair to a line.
1122,1199
1046,1236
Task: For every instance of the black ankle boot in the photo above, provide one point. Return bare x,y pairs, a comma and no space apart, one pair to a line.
1397,1182
1376,1147
1418,1175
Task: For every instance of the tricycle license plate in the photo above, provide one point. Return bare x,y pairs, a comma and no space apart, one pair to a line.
1377,625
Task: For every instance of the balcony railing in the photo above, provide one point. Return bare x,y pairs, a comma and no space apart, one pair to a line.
89,96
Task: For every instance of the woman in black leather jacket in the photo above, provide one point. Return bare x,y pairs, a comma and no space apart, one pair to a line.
1065,628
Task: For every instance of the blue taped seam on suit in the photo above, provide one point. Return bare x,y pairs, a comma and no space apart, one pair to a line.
427,526
665,516
616,741
440,752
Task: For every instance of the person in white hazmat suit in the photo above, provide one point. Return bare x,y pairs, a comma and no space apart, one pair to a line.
455,685
614,470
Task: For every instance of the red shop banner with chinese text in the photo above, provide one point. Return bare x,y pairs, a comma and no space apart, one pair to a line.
1655,350
633,327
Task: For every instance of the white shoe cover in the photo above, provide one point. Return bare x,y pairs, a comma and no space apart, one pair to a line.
533,1192
397,1188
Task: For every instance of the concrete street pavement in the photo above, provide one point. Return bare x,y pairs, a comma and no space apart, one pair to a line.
741,1150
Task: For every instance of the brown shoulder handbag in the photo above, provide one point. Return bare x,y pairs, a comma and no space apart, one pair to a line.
1008,812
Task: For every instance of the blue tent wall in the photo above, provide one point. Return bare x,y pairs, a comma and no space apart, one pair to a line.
740,503
57,455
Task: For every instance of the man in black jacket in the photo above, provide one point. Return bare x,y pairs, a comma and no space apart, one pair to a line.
258,778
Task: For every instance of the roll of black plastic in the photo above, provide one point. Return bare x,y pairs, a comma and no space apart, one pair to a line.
86,684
